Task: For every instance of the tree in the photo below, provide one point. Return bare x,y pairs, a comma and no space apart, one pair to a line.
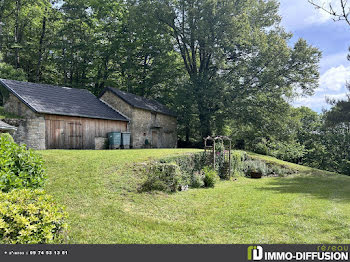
339,11
233,50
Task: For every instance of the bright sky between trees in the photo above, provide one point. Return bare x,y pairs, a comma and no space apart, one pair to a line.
332,38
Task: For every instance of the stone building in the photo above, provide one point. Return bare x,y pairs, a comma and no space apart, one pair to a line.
151,123
53,117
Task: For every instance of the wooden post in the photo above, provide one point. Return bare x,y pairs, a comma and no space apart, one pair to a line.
214,153
229,158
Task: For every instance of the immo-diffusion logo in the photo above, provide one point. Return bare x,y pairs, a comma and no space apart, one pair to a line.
257,253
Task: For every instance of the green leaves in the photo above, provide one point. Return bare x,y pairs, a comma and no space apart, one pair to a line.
19,167
31,217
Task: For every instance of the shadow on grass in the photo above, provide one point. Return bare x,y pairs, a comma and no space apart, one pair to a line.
314,183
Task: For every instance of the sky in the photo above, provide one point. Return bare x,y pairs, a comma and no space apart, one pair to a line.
332,38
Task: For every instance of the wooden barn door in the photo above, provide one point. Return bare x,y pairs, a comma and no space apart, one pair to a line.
55,134
154,139
75,135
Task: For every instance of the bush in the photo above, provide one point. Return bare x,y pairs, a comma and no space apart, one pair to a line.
188,163
291,151
238,158
19,167
210,177
255,166
197,180
30,217
164,177
279,170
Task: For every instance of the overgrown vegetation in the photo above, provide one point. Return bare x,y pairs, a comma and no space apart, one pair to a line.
31,217
19,167
196,170
210,177
27,215
178,173
164,177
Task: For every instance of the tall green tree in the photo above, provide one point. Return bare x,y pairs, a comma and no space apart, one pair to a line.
232,50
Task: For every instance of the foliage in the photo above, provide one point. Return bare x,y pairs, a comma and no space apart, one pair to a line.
210,177
163,177
4,114
172,51
224,63
255,166
276,170
101,186
31,217
19,167
188,163
197,180
291,152
9,72
238,158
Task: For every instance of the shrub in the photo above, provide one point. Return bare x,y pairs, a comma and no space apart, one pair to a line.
255,166
260,146
19,167
291,151
224,170
197,180
238,158
210,177
279,170
163,177
30,217
188,163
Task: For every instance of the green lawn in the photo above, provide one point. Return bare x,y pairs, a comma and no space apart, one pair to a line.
99,191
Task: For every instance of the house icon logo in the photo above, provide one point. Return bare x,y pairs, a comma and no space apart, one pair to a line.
255,253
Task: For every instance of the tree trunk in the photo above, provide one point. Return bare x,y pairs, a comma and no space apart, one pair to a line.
16,33
41,42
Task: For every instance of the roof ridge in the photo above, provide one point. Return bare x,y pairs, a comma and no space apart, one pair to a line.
47,85
140,101
43,99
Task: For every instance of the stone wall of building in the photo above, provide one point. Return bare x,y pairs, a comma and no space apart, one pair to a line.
140,128
15,106
168,130
117,104
30,129
157,128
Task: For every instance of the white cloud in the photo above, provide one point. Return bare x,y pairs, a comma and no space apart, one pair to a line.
332,85
333,60
318,17
334,79
318,101
300,14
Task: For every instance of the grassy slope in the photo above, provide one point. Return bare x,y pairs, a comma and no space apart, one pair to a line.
98,188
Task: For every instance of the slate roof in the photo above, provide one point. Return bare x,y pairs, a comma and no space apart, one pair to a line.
6,127
140,102
49,99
